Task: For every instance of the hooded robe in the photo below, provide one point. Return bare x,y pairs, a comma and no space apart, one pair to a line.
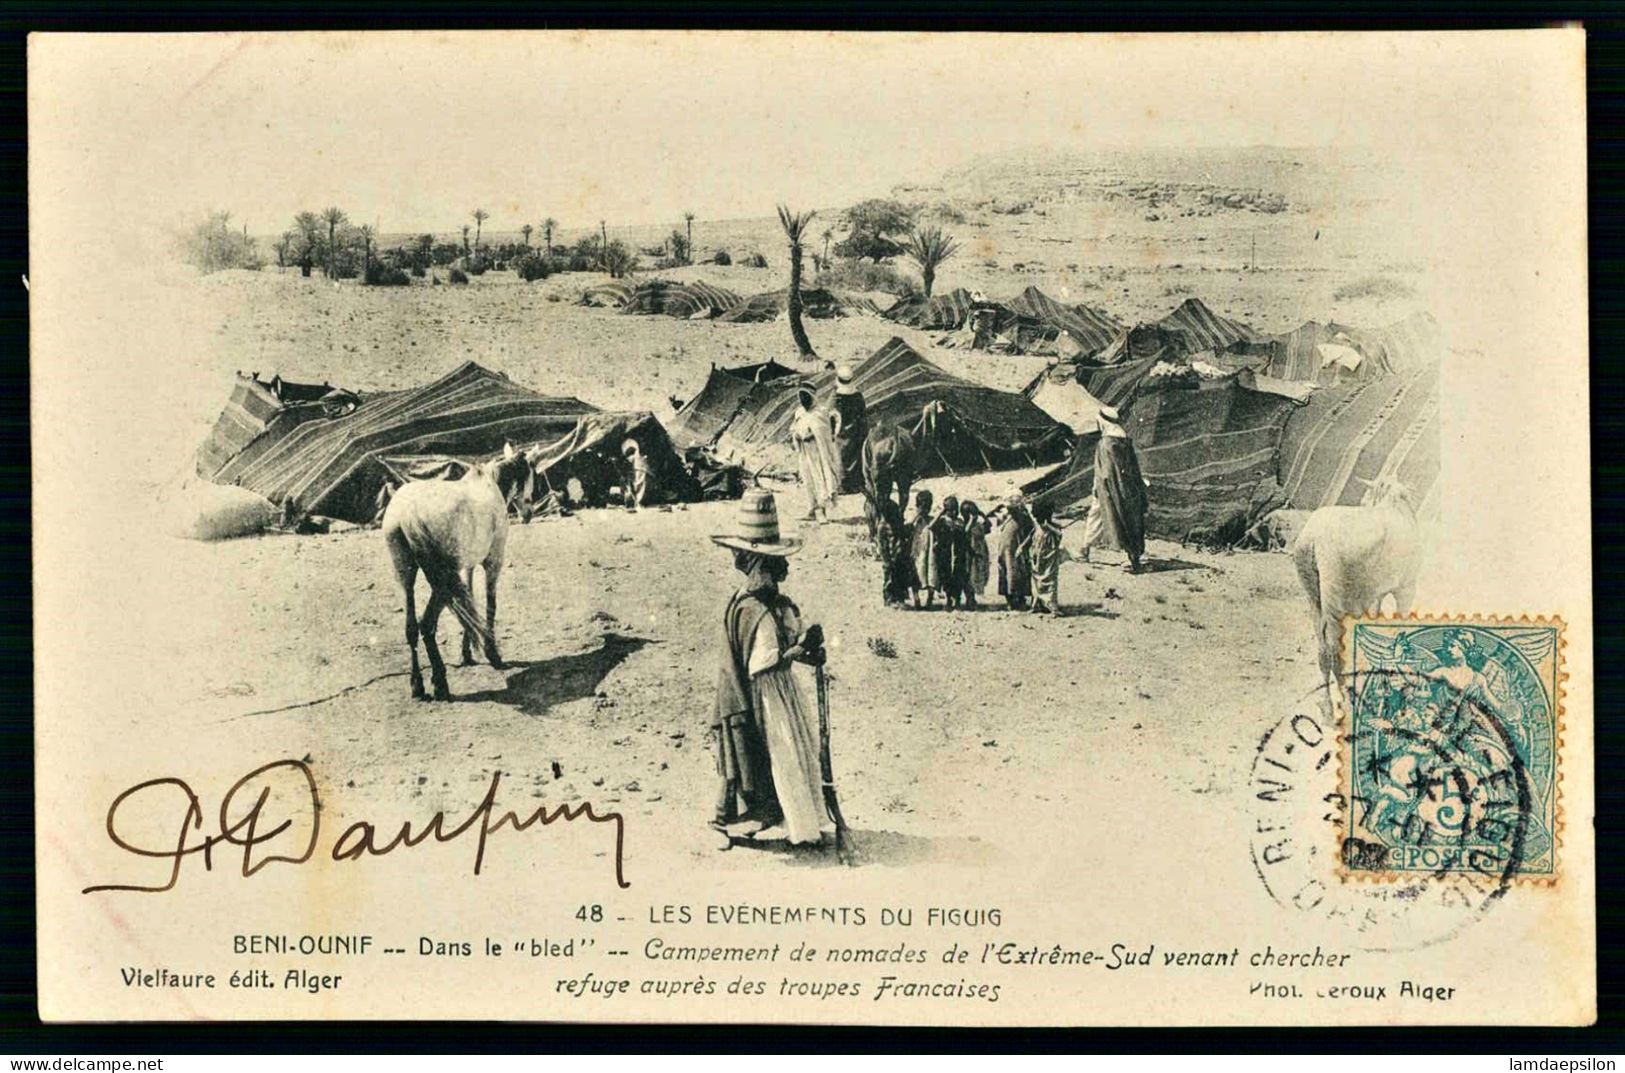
1120,499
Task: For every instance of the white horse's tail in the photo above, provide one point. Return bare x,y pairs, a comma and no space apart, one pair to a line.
441,570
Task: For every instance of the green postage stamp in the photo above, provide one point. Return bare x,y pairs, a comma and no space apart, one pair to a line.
1450,764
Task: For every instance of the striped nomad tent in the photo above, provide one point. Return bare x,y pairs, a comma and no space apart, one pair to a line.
701,419
1206,330
1359,430
329,455
1221,446
943,312
960,426
1311,350
612,295
693,301
1209,447
816,303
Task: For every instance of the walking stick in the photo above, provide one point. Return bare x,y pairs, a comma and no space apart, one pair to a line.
830,800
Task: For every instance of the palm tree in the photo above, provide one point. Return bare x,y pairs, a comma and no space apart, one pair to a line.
929,247
547,229
366,232
829,233
309,226
688,218
603,245
526,230
465,238
795,227
333,217
480,216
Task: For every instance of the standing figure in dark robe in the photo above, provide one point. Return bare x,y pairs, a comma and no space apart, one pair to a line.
1011,540
770,778
895,547
851,429
950,548
1117,517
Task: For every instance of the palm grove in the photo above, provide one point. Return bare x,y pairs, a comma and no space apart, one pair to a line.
329,242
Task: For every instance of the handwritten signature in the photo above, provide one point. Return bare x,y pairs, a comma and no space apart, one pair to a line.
248,821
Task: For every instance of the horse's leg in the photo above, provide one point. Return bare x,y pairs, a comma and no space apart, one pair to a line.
468,637
410,582
406,574
437,666
493,570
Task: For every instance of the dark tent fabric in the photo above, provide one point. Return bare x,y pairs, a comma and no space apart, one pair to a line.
256,405
940,313
1205,329
1208,447
1297,355
1093,329
1401,347
331,464
680,299
961,426
613,294
1412,342
1112,375
590,453
1358,430
701,420
816,303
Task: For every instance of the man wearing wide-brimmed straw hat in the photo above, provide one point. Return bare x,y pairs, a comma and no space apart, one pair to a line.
771,780
1118,513
851,428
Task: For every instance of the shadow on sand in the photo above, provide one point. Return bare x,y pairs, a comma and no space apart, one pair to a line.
1149,565
1094,610
542,684
889,848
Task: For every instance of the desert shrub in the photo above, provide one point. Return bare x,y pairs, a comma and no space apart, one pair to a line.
477,265
866,276
875,247
722,258
1012,208
213,246
678,242
947,213
1174,290
382,275
534,267
445,253
619,260
1382,288
756,260
419,271
457,275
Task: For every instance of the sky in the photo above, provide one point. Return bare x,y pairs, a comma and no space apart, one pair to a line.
411,131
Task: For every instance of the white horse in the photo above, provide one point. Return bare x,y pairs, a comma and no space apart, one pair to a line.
1350,558
446,529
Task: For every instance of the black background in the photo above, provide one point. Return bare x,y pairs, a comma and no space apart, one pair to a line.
20,1031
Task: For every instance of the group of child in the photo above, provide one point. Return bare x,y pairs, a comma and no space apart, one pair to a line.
956,549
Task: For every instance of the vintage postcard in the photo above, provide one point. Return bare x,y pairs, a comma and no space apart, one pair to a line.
893,529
